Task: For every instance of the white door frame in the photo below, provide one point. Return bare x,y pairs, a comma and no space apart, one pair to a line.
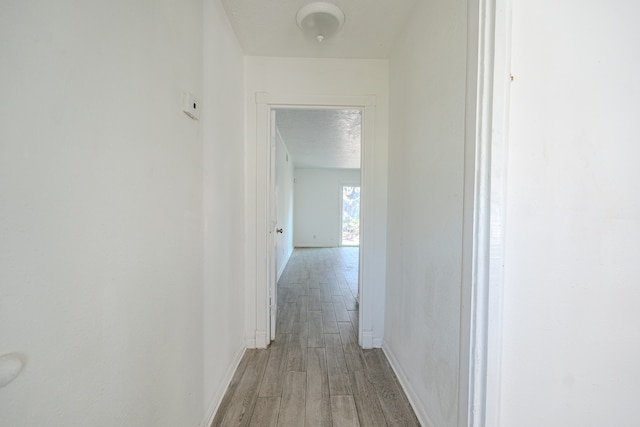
265,102
486,134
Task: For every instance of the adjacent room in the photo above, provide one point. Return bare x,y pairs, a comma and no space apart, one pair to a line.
321,149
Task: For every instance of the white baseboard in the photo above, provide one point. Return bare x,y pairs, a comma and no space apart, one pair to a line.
367,339
416,404
250,342
261,339
217,399
377,343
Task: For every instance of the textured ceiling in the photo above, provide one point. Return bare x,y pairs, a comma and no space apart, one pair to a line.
321,138
269,28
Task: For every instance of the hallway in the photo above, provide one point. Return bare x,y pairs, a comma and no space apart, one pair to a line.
315,370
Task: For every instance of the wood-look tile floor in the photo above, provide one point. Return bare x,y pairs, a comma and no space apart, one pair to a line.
314,373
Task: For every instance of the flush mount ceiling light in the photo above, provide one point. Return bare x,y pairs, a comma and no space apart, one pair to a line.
320,20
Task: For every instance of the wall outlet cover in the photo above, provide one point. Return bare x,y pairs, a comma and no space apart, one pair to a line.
191,105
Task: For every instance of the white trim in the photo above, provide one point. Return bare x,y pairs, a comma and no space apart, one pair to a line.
250,342
468,365
484,208
499,152
366,339
262,339
412,396
215,404
368,292
315,101
262,244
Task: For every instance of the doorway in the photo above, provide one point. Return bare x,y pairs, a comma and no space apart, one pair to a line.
318,152
371,282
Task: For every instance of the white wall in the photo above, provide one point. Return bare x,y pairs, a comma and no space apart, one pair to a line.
323,78
570,340
101,211
426,160
284,193
317,212
223,159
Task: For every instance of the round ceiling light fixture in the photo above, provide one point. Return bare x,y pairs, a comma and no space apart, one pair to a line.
320,20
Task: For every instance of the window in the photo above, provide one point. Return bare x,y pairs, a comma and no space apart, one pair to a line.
350,216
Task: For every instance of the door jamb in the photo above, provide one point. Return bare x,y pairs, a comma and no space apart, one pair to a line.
486,137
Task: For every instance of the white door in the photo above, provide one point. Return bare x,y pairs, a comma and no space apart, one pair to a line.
273,228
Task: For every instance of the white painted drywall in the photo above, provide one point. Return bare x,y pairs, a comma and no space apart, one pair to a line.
426,161
317,216
570,339
101,211
285,196
223,190
328,78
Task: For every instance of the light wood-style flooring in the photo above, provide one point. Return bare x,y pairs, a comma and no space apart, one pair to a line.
314,373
